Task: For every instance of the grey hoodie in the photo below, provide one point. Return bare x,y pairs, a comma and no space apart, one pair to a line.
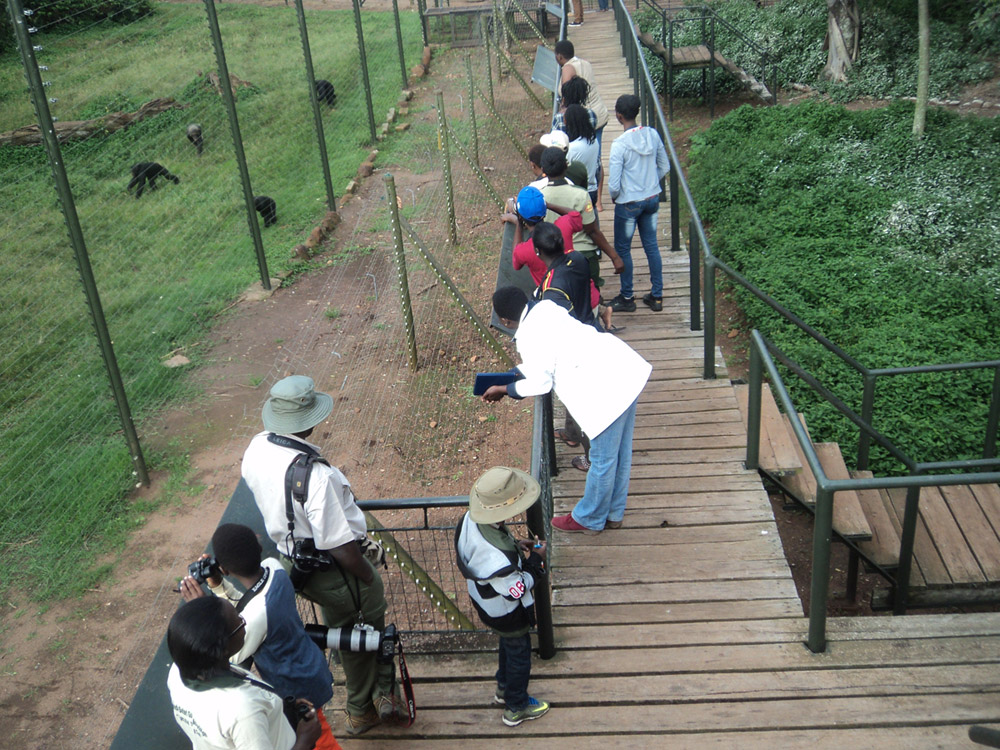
637,163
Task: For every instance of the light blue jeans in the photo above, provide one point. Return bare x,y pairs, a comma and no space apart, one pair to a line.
642,214
607,481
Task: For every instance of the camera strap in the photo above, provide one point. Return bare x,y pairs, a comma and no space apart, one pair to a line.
254,590
296,475
407,683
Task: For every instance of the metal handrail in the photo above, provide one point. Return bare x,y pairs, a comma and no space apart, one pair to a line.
760,358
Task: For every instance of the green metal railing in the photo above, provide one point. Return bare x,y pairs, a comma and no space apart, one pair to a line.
763,355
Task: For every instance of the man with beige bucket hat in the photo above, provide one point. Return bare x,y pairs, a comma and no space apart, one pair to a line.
501,573
324,523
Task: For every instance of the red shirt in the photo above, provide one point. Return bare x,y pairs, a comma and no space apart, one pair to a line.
524,253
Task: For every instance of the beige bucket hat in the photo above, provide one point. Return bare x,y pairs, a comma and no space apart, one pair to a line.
295,405
502,493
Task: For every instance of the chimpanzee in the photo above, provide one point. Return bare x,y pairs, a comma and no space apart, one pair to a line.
325,92
194,135
146,172
267,209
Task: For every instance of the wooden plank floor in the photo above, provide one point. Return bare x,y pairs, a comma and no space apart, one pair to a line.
683,629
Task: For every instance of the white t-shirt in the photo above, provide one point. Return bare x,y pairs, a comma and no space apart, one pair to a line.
330,516
589,153
229,714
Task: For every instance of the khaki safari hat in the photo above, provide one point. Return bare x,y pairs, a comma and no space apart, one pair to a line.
502,493
295,405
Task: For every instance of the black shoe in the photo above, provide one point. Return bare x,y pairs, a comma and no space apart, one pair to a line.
620,304
653,303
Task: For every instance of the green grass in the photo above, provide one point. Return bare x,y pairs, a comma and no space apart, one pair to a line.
888,246
166,265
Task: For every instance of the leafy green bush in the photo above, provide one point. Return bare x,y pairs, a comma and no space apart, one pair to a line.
889,247
793,32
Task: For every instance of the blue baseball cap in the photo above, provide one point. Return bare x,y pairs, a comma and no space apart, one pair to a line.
531,204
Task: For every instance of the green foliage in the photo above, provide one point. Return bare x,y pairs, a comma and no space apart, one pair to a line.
792,31
75,13
165,266
888,246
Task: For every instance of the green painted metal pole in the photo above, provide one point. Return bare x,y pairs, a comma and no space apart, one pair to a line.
867,414
363,57
68,207
331,199
819,588
422,10
709,332
472,110
753,408
906,536
446,162
418,575
457,295
675,209
226,89
399,42
404,285
489,68
694,274
990,447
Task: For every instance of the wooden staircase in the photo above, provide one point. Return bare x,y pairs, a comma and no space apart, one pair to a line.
956,551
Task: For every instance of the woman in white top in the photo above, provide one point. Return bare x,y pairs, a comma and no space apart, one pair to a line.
583,147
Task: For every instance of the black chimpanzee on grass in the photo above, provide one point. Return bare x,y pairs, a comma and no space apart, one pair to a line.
267,209
325,92
146,172
194,135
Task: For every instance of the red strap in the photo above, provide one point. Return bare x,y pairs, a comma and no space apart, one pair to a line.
404,678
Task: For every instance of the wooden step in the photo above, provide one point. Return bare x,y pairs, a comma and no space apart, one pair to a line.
848,517
883,548
777,454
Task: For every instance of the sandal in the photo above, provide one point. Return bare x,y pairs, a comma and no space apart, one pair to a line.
560,433
581,462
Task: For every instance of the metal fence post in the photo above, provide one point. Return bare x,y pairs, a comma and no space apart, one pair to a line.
400,257
68,206
489,68
709,332
675,209
867,414
906,536
449,188
472,110
422,11
331,199
364,67
226,88
820,585
993,420
694,269
399,42
753,408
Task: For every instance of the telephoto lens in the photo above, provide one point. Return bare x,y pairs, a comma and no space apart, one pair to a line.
358,638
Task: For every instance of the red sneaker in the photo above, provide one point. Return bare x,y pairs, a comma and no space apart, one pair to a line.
567,523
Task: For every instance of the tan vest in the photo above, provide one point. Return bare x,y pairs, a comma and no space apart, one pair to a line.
586,71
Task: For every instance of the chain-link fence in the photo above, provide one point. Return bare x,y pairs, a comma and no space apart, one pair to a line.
169,249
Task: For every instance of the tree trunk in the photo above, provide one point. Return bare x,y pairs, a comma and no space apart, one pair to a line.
843,37
78,130
923,68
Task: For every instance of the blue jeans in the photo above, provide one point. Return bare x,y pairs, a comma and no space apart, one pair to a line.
610,467
602,4
514,670
642,214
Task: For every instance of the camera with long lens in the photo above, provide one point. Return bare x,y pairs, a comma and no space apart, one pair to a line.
204,568
357,638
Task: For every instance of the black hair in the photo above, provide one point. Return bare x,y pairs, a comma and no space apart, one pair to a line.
628,106
565,48
509,302
535,154
237,549
578,124
575,91
197,637
554,162
548,240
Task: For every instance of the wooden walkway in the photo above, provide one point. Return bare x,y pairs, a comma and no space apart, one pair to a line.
683,629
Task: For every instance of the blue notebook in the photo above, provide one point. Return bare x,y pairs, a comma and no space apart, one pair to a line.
485,379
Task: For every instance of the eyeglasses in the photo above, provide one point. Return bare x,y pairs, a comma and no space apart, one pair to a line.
238,628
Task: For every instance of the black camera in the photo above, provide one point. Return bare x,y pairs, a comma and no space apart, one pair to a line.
357,638
204,568
294,711
308,559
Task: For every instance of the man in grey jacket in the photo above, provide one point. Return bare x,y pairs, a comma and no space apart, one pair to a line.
636,165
